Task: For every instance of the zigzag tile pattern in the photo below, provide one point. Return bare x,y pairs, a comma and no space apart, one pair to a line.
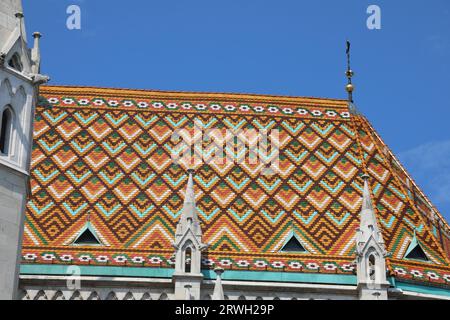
107,154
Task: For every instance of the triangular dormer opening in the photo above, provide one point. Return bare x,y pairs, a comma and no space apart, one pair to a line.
416,253
293,245
87,237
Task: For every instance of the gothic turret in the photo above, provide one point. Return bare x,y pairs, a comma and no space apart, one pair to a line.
19,85
371,252
188,247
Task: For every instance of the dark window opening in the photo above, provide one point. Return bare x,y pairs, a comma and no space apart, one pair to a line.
5,133
293,245
87,238
187,260
417,254
372,267
15,62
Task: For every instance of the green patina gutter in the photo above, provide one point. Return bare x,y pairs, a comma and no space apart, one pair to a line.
114,271
439,291
266,276
105,271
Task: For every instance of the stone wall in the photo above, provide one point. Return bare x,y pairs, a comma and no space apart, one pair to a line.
12,202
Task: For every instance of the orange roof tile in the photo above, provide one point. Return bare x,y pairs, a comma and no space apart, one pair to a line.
108,153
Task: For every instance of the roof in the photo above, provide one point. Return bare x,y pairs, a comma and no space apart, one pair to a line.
105,155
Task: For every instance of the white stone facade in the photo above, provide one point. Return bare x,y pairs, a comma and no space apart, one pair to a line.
19,81
109,288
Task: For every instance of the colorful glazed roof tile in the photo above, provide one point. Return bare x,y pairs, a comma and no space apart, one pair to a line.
105,156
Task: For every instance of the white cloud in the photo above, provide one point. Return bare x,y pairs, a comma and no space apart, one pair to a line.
429,166
429,156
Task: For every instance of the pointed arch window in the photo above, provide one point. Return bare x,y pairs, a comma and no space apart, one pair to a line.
6,130
163,296
15,62
187,260
372,268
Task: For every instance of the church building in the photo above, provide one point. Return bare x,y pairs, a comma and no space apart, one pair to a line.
157,195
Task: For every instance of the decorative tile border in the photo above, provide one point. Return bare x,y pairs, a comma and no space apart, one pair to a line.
308,264
331,113
278,263
421,274
96,258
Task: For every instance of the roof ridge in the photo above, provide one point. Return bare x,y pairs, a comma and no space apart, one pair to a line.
364,169
371,131
402,167
47,88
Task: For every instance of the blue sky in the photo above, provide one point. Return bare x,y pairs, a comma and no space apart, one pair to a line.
274,47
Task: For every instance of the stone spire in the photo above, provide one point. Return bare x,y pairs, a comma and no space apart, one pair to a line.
188,247
370,252
8,20
218,289
368,225
367,201
14,52
189,217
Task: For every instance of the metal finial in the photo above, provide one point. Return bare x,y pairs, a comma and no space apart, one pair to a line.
349,75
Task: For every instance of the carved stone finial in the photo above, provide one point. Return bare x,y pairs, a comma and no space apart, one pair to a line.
218,288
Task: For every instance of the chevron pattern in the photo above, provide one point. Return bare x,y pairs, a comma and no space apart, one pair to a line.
109,157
